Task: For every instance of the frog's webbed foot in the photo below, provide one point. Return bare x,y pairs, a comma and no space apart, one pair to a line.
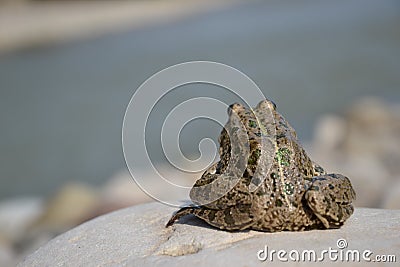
330,198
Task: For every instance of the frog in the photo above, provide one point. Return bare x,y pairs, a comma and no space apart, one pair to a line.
277,187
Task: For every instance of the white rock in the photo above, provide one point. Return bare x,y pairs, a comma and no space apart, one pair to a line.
330,132
70,206
392,197
137,236
373,129
16,215
369,178
7,255
122,189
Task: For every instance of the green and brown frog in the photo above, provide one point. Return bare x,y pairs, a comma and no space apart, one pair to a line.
265,181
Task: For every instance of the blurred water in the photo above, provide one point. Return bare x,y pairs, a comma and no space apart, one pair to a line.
61,108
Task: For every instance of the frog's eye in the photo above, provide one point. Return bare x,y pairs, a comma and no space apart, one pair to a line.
235,107
266,104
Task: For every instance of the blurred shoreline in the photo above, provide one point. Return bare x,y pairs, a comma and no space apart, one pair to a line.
69,68
26,24
59,102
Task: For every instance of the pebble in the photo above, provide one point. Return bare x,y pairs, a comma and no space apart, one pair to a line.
392,197
16,215
71,205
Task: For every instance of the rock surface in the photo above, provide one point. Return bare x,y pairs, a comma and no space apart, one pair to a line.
137,236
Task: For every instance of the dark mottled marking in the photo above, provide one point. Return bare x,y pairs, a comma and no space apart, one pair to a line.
319,179
228,217
315,188
281,135
260,192
211,215
319,169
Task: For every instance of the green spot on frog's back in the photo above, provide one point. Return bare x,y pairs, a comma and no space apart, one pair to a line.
254,157
283,156
289,188
252,124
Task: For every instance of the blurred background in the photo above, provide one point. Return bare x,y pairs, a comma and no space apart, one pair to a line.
69,68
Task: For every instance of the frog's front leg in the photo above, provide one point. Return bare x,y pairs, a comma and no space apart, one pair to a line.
330,198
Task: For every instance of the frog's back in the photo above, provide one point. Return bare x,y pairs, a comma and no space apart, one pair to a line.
276,186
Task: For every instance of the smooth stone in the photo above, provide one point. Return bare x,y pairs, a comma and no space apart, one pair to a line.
330,132
392,197
136,236
73,204
7,255
17,214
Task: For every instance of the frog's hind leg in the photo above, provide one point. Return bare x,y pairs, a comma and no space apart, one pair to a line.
231,218
180,213
330,198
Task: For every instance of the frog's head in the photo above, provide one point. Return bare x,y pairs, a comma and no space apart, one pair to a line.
265,109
